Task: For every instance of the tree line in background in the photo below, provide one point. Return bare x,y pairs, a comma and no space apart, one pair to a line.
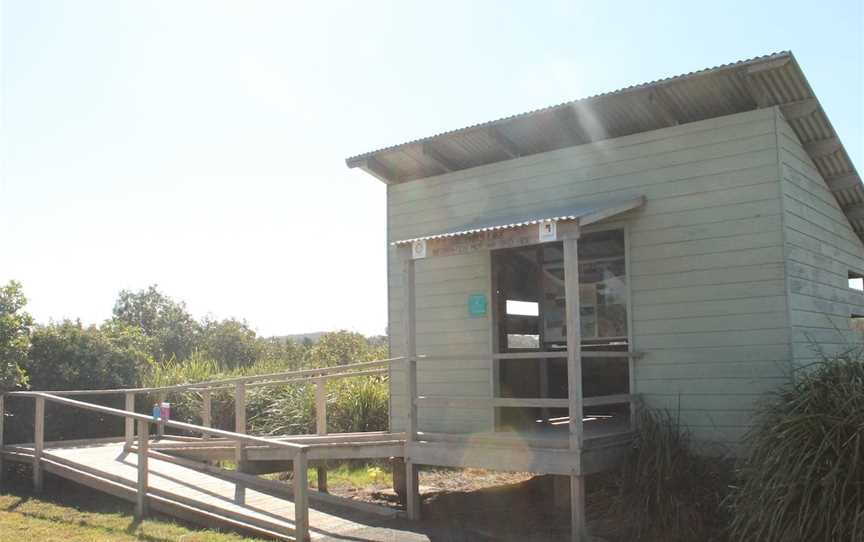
149,331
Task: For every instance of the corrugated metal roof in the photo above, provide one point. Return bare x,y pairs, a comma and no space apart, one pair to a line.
585,213
766,81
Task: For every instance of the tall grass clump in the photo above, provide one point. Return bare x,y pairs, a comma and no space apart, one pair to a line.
353,404
803,475
665,491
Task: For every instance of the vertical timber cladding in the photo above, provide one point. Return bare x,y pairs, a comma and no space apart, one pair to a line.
706,266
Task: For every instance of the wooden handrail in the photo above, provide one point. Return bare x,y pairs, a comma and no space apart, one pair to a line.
300,379
197,386
168,423
298,453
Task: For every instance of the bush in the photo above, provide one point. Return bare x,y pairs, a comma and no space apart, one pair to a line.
665,491
14,336
353,404
803,476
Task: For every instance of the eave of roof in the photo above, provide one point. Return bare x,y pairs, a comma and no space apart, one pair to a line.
766,81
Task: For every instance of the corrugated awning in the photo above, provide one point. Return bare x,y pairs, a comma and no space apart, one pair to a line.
585,213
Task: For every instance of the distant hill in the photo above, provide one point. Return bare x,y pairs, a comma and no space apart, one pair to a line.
300,337
313,337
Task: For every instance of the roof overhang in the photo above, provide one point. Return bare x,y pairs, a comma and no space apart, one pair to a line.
767,81
510,231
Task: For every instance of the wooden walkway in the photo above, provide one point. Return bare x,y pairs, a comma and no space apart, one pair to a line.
207,498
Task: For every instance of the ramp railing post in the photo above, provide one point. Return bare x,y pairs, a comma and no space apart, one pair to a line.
143,445
301,496
321,426
38,443
206,410
240,427
160,427
130,423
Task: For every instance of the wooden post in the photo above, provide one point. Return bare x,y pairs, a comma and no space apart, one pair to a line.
409,326
301,496
240,427
578,521
143,449
320,407
574,346
130,423
574,386
2,420
321,426
160,427
206,411
38,443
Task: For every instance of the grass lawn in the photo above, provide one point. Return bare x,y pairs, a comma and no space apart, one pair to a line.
68,512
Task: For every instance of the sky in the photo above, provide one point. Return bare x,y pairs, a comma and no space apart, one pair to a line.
200,145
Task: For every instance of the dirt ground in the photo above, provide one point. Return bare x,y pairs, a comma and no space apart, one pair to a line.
474,504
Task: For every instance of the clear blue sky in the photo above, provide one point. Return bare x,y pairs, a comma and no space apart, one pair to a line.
200,145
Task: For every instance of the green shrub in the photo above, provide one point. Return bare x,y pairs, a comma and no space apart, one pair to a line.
358,404
353,404
665,491
803,476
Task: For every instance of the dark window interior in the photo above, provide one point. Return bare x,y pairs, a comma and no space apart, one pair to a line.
530,317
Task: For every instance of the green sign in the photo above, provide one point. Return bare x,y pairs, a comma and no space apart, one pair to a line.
477,304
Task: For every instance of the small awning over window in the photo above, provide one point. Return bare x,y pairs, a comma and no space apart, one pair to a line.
584,214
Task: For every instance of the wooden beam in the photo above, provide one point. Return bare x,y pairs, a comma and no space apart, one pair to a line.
160,427
143,469
504,143
660,104
802,108
130,423
321,427
763,66
574,344
755,89
843,182
301,496
240,408
435,156
206,411
854,212
320,407
578,520
240,427
374,167
822,147
38,443
569,121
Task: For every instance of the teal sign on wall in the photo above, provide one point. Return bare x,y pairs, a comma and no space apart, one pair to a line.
477,305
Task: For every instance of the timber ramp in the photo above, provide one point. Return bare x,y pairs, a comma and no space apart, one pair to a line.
180,488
